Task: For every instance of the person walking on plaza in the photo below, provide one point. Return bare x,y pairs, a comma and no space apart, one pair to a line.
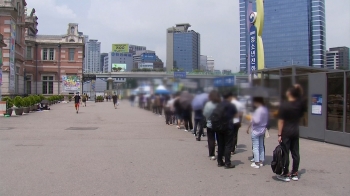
289,115
187,117
236,121
115,100
132,100
258,123
84,99
225,139
214,99
77,99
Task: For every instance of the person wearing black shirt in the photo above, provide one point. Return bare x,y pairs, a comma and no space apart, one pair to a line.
225,140
115,101
77,101
289,116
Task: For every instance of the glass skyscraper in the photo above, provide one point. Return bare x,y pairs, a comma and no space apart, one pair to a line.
294,33
183,48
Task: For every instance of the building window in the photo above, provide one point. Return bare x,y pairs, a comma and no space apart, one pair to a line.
72,30
47,85
51,54
29,53
29,85
48,54
71,54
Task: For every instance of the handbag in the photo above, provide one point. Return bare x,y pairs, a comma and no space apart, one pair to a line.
267,134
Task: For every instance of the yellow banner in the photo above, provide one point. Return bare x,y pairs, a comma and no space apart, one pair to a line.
124,48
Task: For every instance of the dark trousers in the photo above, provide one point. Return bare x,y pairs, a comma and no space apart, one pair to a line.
211,142
225,141
235,136
160,110
197,125
168,116
154,109
188,120
292,144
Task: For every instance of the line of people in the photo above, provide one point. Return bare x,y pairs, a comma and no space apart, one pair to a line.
222,117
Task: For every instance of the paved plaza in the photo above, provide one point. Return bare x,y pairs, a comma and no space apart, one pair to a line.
129,151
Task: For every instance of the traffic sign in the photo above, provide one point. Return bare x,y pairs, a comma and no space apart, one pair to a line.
180,74
224,81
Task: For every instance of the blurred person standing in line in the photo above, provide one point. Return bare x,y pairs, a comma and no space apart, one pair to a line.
258,123
214,99
236,121
225,139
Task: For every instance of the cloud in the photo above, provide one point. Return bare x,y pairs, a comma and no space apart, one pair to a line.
52,9
145,23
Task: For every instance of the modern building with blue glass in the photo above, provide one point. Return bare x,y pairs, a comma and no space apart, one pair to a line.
183,48
294,33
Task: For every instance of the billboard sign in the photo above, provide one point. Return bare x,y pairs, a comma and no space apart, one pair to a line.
71,83
224,81
12,57
148,57
180,74
146,66
123,48
218,82
122,66
253,53
229,81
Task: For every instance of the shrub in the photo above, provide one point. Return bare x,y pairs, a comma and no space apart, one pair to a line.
26,101
18,101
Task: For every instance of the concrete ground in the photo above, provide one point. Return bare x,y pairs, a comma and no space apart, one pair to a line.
129,151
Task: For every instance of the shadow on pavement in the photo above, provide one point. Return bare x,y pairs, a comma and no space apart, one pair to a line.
237,162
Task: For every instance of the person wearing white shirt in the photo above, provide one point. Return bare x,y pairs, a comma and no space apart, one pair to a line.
236,121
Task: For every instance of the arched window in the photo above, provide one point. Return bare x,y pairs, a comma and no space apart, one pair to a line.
72,30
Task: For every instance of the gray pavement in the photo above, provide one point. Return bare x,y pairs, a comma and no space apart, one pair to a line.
128,151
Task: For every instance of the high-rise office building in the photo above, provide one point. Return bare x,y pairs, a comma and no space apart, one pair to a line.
338,58
183,48
92,56
294,33
102,61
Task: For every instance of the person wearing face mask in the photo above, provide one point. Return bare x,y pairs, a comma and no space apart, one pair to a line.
289,115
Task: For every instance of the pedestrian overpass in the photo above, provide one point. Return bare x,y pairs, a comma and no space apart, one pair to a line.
161,75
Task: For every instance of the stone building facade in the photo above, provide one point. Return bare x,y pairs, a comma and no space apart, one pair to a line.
38,64
53,58
12,26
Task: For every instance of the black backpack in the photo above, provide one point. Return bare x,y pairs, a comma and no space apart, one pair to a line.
279,161
217,118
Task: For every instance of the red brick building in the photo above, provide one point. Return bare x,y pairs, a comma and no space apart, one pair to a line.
52,57
12,26
38,64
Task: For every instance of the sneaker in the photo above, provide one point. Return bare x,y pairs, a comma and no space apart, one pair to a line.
252,160
284,178
261,164
213,158
255,166
186,130
295,176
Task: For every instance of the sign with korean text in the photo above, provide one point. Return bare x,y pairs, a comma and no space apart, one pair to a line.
180,74
0,77
218,82
253,49
123,48
229,81
71,83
